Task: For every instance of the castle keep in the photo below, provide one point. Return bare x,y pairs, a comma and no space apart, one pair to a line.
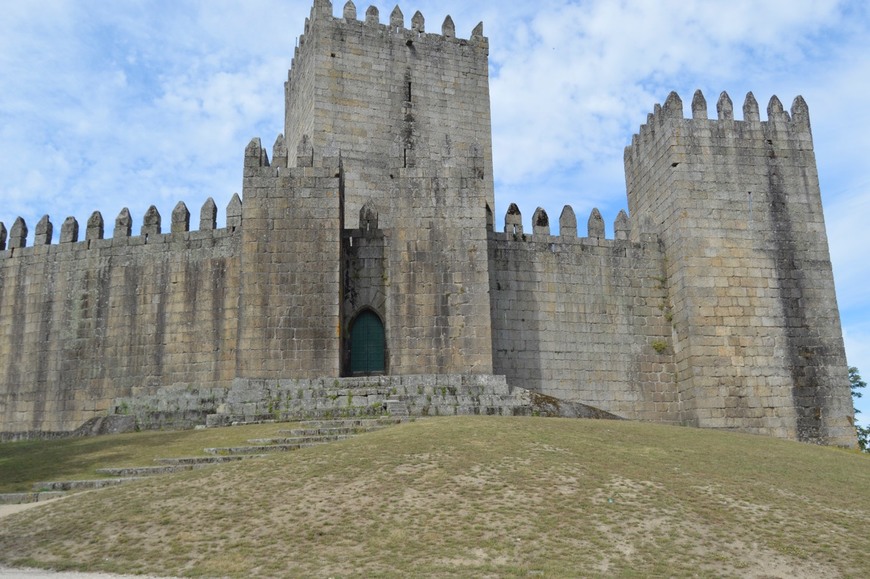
361,259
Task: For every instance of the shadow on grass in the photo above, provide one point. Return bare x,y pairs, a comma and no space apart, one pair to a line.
24,463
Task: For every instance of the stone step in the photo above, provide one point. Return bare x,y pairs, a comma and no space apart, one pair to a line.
77,485
258,449
295,442
397,408
21,498
135,471
352,422
203,460
331,431
316,438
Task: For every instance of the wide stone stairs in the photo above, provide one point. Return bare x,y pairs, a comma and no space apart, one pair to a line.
308,433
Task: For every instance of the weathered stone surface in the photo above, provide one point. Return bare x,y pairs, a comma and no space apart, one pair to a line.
123,224
699,106
151,222
234,212
69,231
208,215
44,231
95,228
180,218
18,234
595,225
540,222
568,222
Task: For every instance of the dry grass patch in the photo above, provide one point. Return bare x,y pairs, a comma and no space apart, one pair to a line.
480,497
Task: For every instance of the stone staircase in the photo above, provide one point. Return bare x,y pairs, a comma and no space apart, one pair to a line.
308,433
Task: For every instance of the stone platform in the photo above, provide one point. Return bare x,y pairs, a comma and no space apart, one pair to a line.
253,400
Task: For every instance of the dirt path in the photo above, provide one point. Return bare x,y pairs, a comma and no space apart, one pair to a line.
6,510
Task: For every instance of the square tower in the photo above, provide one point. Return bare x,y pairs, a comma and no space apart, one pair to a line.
737,205
408,114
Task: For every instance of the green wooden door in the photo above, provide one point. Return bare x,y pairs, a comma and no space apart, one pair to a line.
367,344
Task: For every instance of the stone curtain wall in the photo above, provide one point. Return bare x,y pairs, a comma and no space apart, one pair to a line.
583,319
84,322
738,208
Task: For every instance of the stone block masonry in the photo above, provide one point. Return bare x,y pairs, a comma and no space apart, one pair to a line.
583,319
84,322
290,262
360,273
758,344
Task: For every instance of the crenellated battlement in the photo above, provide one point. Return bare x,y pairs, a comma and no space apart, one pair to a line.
703,152
670,117
323,11
393,27
151,230
281,163
568,232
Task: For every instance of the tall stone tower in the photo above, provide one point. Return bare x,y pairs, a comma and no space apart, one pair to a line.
402,116
737,206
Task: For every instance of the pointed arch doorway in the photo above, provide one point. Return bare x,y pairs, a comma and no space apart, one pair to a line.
367,344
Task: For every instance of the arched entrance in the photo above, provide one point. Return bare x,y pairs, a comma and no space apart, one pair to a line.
367,346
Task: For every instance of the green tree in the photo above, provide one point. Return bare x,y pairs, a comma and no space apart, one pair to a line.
857,384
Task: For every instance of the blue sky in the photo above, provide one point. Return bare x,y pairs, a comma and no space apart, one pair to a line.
105,105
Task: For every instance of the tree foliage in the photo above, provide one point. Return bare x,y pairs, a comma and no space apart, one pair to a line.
857,384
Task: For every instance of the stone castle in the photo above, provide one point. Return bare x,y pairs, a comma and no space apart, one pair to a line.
361,266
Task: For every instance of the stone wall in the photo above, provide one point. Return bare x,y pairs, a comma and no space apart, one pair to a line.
738,208
289,267
583,319
86,321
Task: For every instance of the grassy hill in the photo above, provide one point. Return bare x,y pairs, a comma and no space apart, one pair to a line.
478,496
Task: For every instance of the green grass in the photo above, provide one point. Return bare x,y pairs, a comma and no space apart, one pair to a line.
27,462
479,496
